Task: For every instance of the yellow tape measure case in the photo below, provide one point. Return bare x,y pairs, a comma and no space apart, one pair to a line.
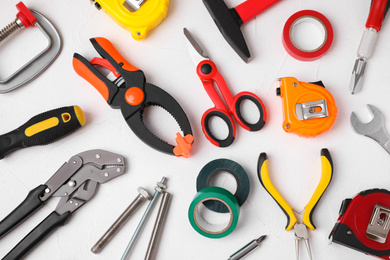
139,18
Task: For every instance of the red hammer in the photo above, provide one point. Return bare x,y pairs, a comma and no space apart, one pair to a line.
229,21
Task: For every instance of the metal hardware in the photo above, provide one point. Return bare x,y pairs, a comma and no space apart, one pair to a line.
379,226
24,19
247,249
158,225
134,4
374,129
312,110
110,233
301,233
158,189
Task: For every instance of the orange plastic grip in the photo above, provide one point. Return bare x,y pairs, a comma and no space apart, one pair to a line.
110,49
85,73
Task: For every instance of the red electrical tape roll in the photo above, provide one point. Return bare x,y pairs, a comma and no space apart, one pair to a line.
299,53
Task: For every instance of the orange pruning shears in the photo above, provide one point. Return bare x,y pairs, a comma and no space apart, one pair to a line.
132,94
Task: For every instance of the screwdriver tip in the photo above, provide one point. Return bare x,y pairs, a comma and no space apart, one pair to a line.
261,239
357,75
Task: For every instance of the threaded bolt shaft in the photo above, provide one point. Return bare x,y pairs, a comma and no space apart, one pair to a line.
8,30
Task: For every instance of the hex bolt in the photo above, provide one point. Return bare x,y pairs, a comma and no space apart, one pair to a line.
158,189
122,219
24,19
158,226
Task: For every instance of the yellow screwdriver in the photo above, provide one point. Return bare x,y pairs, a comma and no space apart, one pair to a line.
43,129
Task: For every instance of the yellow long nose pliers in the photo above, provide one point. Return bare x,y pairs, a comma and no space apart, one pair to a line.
300,225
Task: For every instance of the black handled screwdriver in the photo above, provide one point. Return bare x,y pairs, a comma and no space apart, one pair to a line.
43,129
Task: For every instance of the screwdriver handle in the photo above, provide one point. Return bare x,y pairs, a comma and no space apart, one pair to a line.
377,13
43,129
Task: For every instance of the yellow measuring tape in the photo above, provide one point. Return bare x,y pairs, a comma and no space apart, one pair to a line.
139,20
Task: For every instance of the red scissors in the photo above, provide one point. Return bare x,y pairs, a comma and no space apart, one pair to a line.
208,72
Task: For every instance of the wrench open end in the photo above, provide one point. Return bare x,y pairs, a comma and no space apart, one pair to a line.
371,127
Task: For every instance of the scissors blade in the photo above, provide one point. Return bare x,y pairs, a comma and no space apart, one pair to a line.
196,52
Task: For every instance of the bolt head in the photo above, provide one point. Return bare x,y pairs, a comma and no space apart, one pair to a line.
144,193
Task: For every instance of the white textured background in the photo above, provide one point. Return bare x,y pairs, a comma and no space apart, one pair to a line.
359,163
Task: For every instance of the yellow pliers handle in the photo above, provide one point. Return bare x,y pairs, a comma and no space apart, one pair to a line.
326,176
262,172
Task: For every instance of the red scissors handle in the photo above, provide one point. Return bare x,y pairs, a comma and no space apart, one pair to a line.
213,112
238,99
208,72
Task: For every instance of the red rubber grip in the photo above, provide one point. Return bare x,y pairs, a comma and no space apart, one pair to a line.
377,14
251,8
25,15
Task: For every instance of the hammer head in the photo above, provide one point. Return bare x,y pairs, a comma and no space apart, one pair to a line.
229,23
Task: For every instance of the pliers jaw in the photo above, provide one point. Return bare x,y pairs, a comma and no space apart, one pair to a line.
98,165
301,233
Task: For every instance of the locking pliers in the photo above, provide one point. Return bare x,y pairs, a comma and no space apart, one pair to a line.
75,182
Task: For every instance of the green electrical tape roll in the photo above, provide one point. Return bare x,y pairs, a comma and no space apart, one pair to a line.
219,194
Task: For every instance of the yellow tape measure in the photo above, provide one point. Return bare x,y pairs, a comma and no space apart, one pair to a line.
138,16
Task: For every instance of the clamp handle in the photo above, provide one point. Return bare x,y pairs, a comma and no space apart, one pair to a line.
38,234
377,13
88,72
107,50
30,204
